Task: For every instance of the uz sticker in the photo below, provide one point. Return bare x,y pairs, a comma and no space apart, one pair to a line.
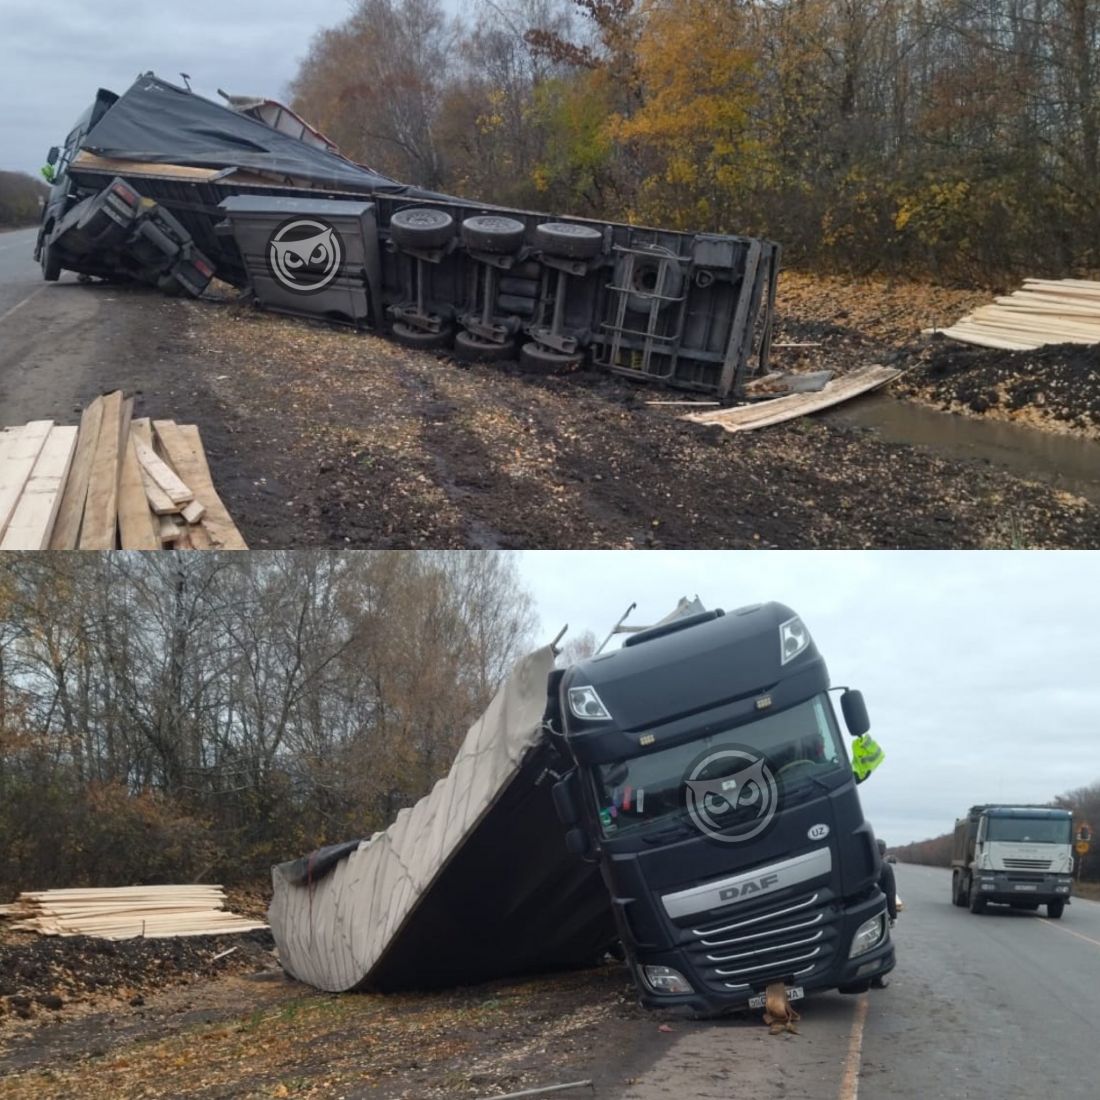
818,832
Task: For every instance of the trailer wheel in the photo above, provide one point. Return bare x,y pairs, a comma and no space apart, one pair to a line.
1056,908
421,227
574,242
535,359
492,233
51,266
977,902
471,348
418,338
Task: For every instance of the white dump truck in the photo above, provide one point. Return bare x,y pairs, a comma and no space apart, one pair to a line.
1013,855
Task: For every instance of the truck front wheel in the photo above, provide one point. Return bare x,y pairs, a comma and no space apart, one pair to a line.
958,895
977,902
1055,909
51,266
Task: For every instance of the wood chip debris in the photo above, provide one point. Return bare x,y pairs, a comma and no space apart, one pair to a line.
118,913
113,482
763,414
1045,311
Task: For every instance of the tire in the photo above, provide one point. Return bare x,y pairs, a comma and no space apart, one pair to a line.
956,890
493,233
472,349
51,266
421,227
976,902
574,242
535,359
418,338
1055,909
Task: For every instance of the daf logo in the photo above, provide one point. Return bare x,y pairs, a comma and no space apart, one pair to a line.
753,886
818,832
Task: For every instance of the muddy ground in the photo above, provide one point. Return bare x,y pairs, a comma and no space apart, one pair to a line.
253,1033
325,436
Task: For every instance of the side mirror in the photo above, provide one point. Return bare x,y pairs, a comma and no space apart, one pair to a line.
565,805
53,155
576,842
855,713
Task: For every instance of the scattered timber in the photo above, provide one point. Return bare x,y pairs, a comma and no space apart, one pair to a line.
1045,311
112,482
155,912
763,414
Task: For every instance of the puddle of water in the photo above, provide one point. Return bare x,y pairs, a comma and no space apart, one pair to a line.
1067,462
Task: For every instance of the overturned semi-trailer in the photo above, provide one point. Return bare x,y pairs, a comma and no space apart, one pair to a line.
253,194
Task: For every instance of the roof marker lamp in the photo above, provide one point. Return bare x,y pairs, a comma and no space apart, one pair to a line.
586,704
793,639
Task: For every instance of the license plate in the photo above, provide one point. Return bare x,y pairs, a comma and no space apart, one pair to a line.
1025,886
794,993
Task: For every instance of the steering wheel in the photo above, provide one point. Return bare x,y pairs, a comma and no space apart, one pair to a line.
794,766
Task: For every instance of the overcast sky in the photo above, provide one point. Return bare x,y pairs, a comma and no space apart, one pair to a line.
54,54
981,670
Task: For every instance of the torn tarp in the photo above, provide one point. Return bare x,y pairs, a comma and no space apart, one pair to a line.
156,122
473,882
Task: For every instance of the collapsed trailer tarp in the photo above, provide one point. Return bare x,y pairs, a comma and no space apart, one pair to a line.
473,882
157,122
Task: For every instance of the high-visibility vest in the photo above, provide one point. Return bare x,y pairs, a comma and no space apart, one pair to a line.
867,754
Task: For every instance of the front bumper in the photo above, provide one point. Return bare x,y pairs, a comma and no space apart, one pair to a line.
836,971
1009,887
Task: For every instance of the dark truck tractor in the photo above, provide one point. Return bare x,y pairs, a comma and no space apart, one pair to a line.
712,784
113,232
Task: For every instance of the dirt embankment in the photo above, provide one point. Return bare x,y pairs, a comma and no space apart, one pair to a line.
868,320
369,444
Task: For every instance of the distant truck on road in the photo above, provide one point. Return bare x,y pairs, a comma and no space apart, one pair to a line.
1013,855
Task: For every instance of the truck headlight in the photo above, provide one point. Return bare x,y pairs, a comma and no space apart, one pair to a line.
868,935
584,702
663,979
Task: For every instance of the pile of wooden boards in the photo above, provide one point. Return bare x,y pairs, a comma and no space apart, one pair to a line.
114,482
155,912
763,414
1045,311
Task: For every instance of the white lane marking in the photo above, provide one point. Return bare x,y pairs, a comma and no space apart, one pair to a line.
849,1085
1062,928
19,305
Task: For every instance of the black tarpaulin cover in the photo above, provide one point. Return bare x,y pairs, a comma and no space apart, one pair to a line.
158,122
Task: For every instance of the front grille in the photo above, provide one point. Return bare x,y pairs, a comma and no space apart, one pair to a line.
1027,864
787,940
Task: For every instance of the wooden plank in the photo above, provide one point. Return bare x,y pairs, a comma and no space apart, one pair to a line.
184,450
169,531
32,522
20,456
193,512
159,500
66,529
99,529
163,475
766,413
138,529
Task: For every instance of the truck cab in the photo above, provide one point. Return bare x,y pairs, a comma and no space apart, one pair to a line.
711,781
1020,856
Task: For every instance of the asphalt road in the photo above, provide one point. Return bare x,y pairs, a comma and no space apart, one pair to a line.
1001,1005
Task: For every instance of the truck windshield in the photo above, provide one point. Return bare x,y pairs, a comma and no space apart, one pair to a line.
1032,830
799,745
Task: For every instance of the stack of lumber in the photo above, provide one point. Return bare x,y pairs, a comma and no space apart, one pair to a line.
763,414
155,912
113,482
1045,311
